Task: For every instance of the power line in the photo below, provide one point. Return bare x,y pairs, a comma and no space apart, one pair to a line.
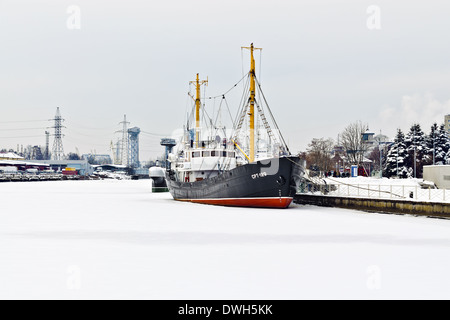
28,121
22,129
155,134
74,124
19,137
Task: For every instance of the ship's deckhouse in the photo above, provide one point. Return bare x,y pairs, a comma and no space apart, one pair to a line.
205,163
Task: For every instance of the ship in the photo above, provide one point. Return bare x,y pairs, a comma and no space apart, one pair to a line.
249,165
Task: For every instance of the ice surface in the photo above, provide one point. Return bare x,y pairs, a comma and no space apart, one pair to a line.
116,240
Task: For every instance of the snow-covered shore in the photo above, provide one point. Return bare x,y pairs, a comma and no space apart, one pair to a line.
116,240
398,189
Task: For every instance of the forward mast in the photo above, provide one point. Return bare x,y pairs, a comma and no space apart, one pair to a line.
198,104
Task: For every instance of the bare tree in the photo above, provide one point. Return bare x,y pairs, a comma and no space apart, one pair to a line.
353,143
319,153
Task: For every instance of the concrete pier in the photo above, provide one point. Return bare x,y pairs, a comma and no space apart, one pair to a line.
429,209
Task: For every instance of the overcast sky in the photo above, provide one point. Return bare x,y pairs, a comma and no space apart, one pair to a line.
322,67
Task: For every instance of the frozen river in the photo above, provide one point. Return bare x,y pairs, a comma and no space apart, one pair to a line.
116,240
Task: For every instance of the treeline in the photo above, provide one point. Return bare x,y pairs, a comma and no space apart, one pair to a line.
410,152
405,157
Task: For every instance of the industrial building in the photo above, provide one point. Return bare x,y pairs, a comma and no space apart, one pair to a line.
82,166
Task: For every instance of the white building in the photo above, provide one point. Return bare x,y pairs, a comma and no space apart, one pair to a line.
440,175
10,156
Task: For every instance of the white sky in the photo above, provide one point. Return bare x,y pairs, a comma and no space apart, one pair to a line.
322,68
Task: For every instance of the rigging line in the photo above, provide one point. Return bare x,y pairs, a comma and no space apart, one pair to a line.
214,109
218,96
207,115
273,118
228,107
190,115
204,105
186,119
242,104
242,61
218,112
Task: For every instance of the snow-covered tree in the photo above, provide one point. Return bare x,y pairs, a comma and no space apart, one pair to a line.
433,146
417,150
396,159
444,143
438,145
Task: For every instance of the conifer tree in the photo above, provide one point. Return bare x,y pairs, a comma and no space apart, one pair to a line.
443,141
438,145
417,150
396,159
433,145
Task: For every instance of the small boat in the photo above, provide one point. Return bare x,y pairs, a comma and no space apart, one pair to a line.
157,175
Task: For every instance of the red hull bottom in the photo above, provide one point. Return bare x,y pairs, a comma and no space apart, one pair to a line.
280,203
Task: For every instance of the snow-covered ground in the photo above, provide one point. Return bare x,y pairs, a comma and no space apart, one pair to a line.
373,181
399,189
116,240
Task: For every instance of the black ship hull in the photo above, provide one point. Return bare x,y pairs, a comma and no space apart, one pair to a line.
266,184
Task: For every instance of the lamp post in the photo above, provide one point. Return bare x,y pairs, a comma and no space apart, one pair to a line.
397,157
381,154
415,154
434,146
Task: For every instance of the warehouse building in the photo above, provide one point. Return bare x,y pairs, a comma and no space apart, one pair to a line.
81,166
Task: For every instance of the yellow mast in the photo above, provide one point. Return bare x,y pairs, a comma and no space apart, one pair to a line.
198,85
252,101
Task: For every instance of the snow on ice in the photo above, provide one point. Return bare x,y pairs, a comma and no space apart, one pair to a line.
116,240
